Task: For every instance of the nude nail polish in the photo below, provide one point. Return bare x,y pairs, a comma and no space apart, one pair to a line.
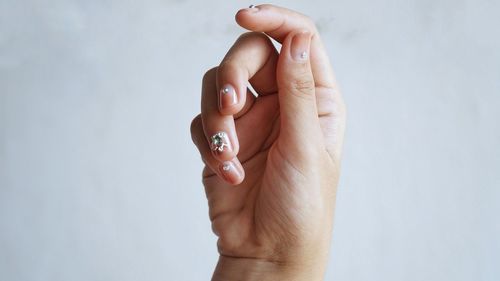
300,45
231,171
227,97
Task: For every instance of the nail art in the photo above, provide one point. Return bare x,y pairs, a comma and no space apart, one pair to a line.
253,8
300,45
226,166
227,97
219,142
231,171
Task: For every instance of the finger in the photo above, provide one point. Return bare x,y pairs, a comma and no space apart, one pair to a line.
299,116
252,59
278,22
231,171
219,129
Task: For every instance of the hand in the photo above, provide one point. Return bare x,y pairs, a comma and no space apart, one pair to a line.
272,160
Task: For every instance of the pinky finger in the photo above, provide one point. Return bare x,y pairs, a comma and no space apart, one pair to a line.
230,171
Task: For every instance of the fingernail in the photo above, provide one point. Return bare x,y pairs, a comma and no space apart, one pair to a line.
231,171
253,8
300,46
227,97
219,142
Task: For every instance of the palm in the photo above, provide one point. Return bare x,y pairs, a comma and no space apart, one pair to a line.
258,211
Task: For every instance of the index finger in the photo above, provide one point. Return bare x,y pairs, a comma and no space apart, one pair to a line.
278,22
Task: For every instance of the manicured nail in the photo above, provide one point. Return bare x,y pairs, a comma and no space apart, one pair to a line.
227,97
220,142
253,8
300,46
231,171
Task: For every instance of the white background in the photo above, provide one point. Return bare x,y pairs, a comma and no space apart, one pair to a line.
99,179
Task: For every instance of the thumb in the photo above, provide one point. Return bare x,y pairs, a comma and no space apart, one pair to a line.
296,90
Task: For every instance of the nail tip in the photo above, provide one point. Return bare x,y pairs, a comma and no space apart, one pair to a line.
251,8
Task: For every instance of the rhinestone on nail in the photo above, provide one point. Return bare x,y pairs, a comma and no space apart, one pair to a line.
219,141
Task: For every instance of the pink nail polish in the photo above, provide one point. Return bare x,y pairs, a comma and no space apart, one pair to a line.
227,97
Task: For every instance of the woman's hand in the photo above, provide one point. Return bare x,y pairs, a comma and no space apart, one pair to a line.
272,161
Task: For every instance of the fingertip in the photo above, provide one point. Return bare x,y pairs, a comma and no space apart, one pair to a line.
243,16
251,9
240,18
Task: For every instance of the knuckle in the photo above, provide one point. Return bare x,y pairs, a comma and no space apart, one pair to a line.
245,35
196,125
226,65
308,23
228,68
208,174
300,88
302,85
209,75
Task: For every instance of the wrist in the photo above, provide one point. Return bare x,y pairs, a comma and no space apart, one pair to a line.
250,269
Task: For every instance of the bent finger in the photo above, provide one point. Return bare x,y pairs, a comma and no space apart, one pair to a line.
252,59
278,22
219,129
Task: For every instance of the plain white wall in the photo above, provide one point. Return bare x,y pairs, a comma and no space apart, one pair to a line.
99,179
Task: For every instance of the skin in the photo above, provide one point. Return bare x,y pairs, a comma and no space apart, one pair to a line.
272,207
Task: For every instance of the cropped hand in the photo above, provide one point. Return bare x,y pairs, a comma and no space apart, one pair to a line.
272,160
